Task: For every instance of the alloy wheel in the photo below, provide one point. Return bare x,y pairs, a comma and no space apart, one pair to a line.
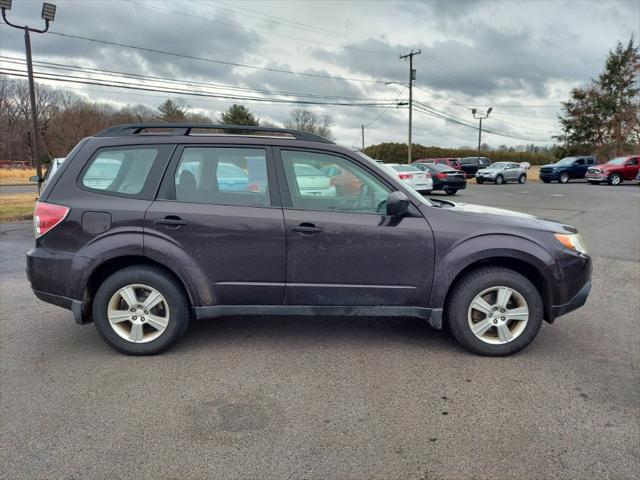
498,315
138,313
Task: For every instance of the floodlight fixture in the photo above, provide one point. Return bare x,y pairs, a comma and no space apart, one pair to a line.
489,110
473,111
5,4
48,12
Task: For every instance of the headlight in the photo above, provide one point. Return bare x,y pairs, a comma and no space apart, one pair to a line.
573,242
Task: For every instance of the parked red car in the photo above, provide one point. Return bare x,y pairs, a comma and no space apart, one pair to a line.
614,171
450,162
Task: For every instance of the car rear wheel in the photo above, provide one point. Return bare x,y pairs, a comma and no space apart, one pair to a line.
450,191
563,178
141,310
522,178
499,180
494,311
615,179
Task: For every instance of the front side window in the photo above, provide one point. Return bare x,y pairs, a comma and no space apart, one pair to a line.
120,170
312,187
223,176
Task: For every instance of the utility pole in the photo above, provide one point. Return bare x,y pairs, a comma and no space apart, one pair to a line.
480,117
48,14
362,137
412,77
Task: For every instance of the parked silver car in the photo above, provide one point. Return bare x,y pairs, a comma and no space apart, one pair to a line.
502,172
412,176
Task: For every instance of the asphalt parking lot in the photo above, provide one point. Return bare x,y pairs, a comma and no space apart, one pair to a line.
256,398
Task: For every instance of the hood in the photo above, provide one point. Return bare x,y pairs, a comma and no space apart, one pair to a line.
549,165
500,216
487,170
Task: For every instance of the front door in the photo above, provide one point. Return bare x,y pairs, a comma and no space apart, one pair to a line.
342,248
216,211
631,168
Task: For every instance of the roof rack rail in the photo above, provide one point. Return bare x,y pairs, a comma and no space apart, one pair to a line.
185,129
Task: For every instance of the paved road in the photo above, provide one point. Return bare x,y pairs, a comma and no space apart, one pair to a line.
336,398
4,189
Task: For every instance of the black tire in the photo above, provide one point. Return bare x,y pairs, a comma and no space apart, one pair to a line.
499,180
167,285
480,180
563,178
522,178
450,191
469,287
614,179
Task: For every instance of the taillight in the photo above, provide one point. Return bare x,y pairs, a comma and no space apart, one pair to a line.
46,216
406,176
441,176
427,175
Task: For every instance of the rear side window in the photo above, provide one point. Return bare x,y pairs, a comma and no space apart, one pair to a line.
223,176
126,171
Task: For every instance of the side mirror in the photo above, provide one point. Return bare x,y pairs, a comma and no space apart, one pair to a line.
397,204
35,179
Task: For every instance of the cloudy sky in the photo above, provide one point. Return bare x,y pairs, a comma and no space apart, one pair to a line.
520,57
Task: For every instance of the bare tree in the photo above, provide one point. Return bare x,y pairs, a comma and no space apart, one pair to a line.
312,122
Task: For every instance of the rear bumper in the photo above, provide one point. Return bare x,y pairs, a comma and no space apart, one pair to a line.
56,278
76,306
578,300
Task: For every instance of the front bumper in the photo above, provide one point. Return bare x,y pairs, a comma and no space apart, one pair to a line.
578,300
548,175
596,177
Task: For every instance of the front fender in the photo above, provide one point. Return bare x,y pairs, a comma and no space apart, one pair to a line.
486,247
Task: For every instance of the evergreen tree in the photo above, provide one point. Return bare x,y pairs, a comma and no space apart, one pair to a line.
238,115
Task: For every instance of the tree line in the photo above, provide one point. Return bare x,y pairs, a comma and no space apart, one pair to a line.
64,118
603,117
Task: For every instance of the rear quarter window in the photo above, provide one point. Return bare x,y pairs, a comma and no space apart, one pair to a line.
127,171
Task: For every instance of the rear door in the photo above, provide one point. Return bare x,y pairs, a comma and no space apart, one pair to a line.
579,168
218,208
343,250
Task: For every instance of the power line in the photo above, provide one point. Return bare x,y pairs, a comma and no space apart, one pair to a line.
427,111
138,87
264,32
112,73
211,60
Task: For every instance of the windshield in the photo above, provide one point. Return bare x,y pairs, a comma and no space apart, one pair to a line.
496,166
617,161
567,161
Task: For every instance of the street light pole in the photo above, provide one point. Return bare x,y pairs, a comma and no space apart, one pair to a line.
480,117
48,14
412,77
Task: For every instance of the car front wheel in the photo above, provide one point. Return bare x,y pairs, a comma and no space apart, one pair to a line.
499,180
615,179
480,180
494,311
564,178
141,310
450,191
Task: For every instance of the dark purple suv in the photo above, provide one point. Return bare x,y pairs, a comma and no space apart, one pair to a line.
146,227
